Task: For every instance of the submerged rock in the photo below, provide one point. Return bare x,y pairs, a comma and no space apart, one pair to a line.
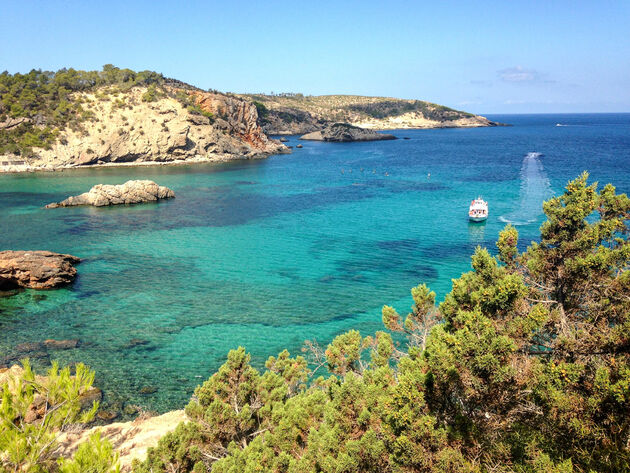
131,192
148,390
90,396
36,269
107,416
342,132
136,342
61,344
131,409
29,347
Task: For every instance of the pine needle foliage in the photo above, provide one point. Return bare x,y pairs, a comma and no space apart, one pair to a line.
35,410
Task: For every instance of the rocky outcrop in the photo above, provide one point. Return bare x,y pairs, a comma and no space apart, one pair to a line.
342,132
131,440
36,269
124,129
131,192
234,115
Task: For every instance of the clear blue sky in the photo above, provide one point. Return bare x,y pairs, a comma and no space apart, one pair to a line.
482,56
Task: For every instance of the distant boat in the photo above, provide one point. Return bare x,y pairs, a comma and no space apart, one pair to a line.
478,211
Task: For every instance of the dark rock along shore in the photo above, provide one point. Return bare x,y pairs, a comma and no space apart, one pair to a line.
344,133
36,269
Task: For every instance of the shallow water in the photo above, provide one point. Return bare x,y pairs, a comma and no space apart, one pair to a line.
269,253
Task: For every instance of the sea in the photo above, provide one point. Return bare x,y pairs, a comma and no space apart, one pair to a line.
267,254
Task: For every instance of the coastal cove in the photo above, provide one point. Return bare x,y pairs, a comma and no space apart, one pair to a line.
271,252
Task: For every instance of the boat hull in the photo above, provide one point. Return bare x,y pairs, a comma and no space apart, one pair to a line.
478,219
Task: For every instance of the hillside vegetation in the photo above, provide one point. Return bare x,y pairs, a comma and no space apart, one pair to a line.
35,107
293,110
70,117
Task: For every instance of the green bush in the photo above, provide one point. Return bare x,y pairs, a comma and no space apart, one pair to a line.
44,97
197,110
35,410
96,455
152,94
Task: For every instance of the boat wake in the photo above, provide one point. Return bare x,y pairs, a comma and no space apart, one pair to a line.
535,189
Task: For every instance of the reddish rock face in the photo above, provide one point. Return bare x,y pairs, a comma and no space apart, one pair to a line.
36,269
240,115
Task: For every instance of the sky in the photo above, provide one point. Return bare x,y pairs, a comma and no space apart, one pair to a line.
485,57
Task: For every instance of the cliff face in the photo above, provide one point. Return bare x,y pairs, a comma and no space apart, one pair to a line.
297,114
238,117
122,128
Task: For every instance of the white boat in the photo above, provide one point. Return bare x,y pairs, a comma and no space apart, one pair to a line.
478,211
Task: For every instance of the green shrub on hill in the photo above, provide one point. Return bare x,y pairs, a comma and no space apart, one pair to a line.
524,368
44,99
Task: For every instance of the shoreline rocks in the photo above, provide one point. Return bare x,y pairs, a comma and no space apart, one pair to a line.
36,269
345,133
131,192
131,439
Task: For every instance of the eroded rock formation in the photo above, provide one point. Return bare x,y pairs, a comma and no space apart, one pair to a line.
131,192
36,269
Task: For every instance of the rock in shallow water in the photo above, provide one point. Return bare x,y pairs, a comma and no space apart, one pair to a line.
36,269
342,132
131,192
61,344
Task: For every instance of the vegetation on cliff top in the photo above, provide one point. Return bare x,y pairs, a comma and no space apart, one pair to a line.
36,107
524,368
352,108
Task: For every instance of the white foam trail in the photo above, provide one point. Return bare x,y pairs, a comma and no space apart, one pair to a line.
535,188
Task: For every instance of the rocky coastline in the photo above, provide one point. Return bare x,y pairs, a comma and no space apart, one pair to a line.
128,130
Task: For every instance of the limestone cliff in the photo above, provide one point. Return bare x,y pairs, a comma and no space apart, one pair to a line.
125,128
298,114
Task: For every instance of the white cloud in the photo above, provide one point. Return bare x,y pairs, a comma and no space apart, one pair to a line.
520,75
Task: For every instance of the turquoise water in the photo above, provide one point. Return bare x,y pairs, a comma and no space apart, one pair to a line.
269,253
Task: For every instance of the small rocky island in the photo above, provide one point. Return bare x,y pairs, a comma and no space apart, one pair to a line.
343,133
131,192
36,269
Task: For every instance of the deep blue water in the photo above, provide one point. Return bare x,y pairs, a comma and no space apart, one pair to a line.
269,253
